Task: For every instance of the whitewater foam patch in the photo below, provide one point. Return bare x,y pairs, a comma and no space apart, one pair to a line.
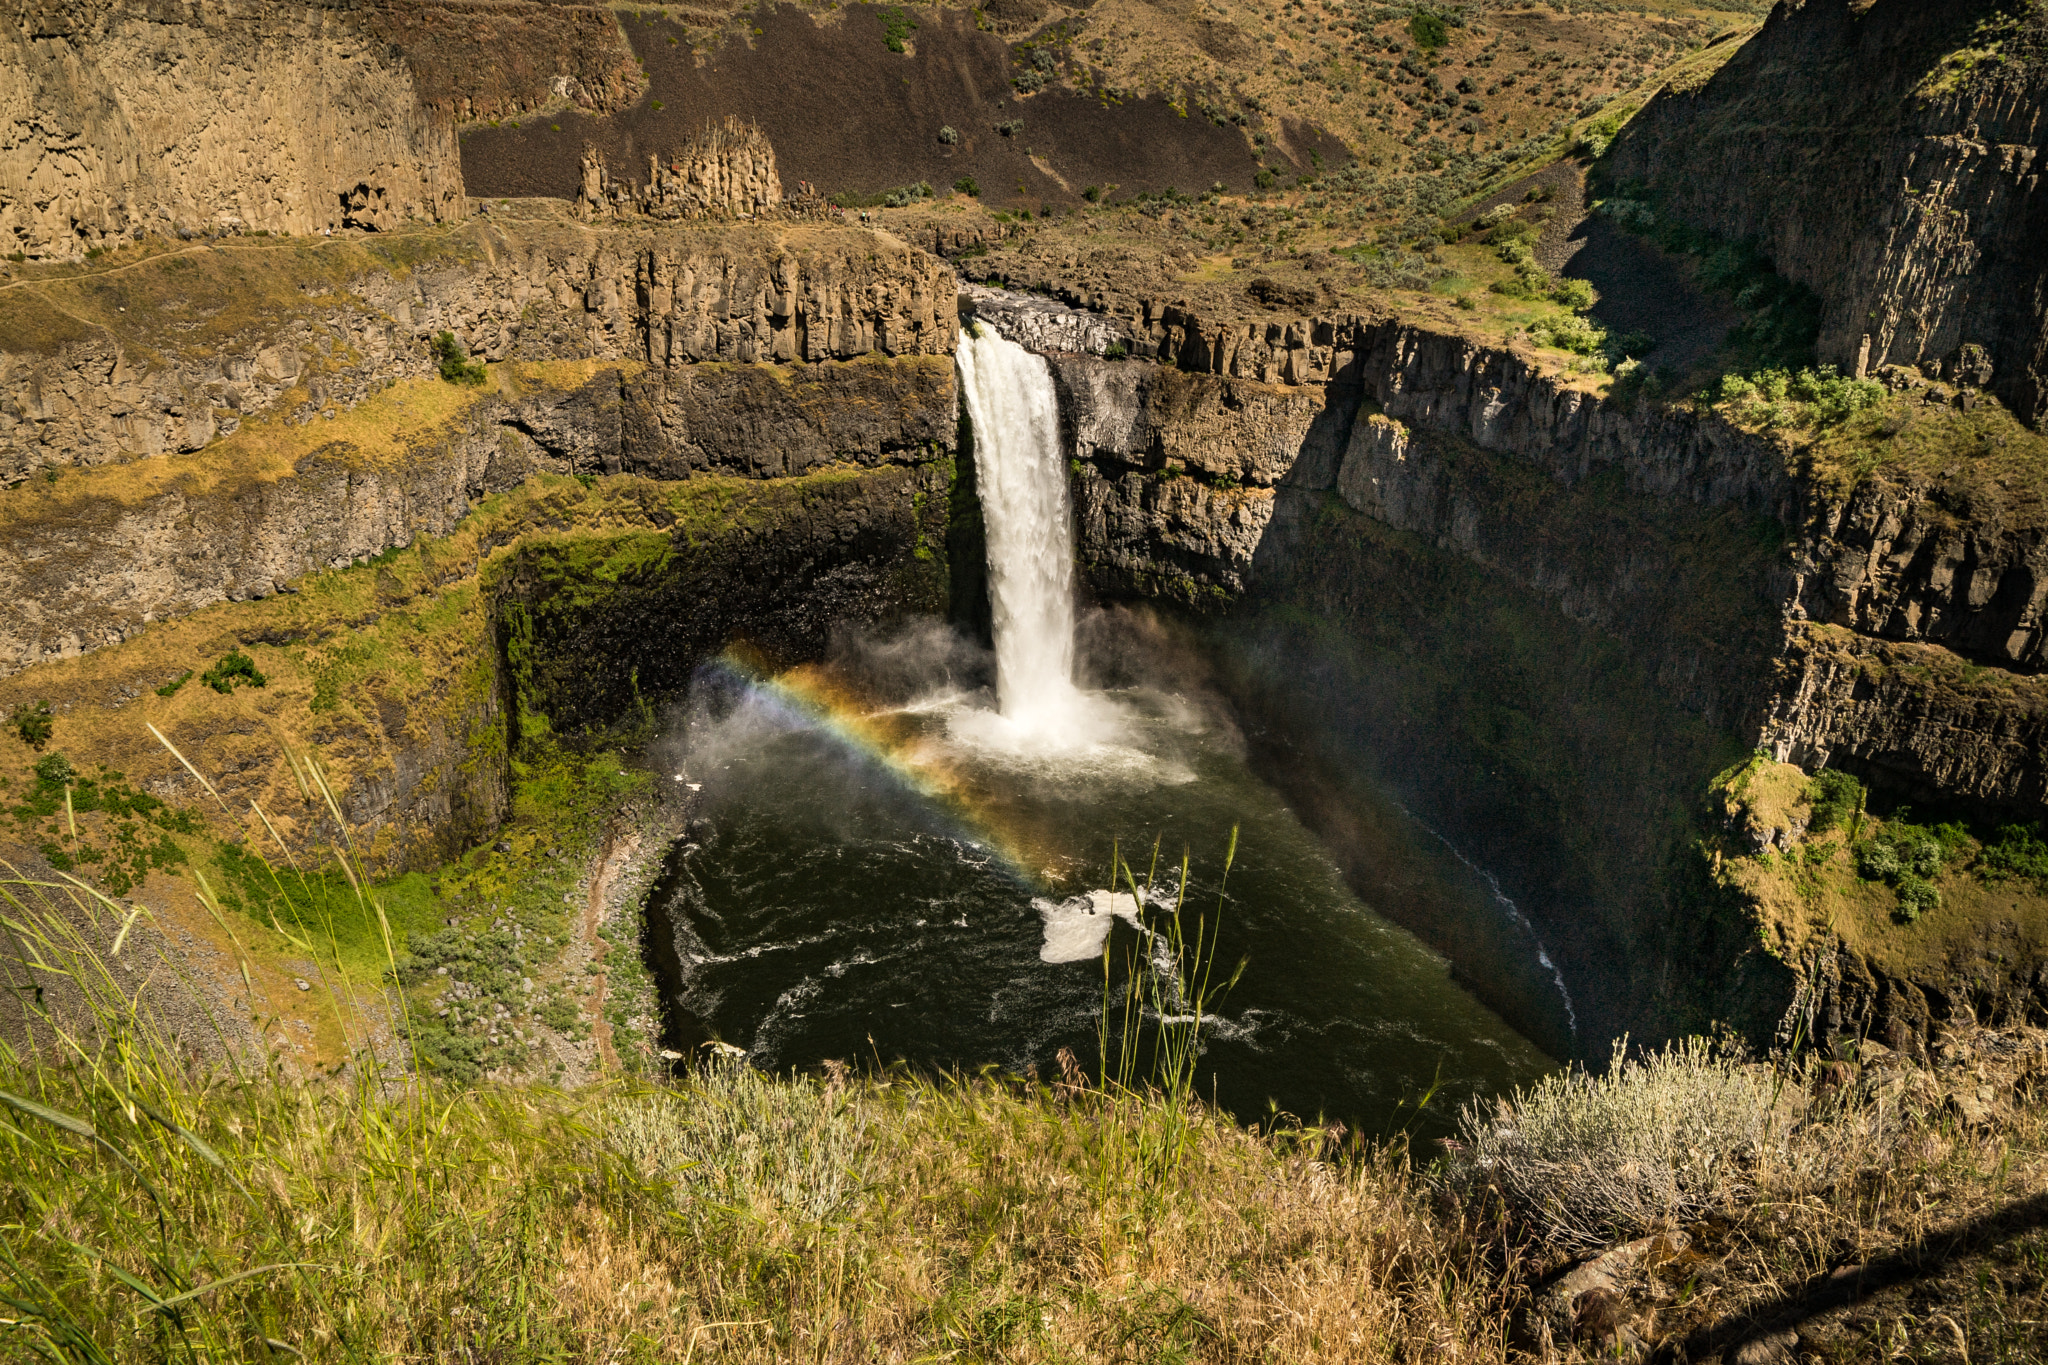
1077,927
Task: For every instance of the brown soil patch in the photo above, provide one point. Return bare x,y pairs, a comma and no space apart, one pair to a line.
847,114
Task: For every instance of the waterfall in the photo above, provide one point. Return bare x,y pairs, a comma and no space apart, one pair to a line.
1030,535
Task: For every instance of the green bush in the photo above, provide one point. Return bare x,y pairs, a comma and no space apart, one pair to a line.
2018,853
965,185
1576,295
233,670
1428,30
896,28
33,722
1909,857
456,366
1797,398
1916,896
1833,796
170,689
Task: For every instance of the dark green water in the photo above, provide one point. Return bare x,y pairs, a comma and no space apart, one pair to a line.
823,906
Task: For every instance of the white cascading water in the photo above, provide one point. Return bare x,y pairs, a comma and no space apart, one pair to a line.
1030,535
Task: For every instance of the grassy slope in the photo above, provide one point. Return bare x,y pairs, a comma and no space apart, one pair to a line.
1806,892
1332,65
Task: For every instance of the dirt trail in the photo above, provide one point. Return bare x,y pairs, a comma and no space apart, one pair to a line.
618,854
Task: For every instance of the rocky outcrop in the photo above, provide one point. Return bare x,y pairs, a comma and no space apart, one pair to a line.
726,171
91,560
1037,323
1956,561
1887,155
784,566
125,120
1916,717
348,320
122,120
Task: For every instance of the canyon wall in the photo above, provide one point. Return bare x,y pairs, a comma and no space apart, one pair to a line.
171,475
1888,155
1547,620
288,120
122,120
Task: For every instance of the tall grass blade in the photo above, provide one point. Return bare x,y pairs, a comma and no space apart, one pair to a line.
53,1117
188,765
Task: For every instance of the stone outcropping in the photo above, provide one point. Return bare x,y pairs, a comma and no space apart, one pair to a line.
537,287
289,119
727,171
122,120
1962,565
88,563
1928,723
663,351
1888,155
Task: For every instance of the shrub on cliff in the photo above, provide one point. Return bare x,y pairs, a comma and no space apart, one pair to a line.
2019,853
235,669
897,27
33,722
1797,398
1908,857
456,367
1654,1141
1832,797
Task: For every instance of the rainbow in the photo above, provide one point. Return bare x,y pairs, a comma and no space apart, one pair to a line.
815,699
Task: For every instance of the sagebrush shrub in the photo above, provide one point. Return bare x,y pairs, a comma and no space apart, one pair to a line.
1588,1159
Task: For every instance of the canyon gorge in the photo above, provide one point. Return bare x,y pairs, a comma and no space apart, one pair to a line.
1422,562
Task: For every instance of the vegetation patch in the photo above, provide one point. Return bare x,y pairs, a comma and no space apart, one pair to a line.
32,723
454,363
234,669
1820,859
99,827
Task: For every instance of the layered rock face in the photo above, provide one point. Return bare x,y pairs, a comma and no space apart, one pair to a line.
727,171
1547,619
1888,155
288,120
124,120
657,351
532,288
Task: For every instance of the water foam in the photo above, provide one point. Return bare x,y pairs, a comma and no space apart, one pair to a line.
1077,927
